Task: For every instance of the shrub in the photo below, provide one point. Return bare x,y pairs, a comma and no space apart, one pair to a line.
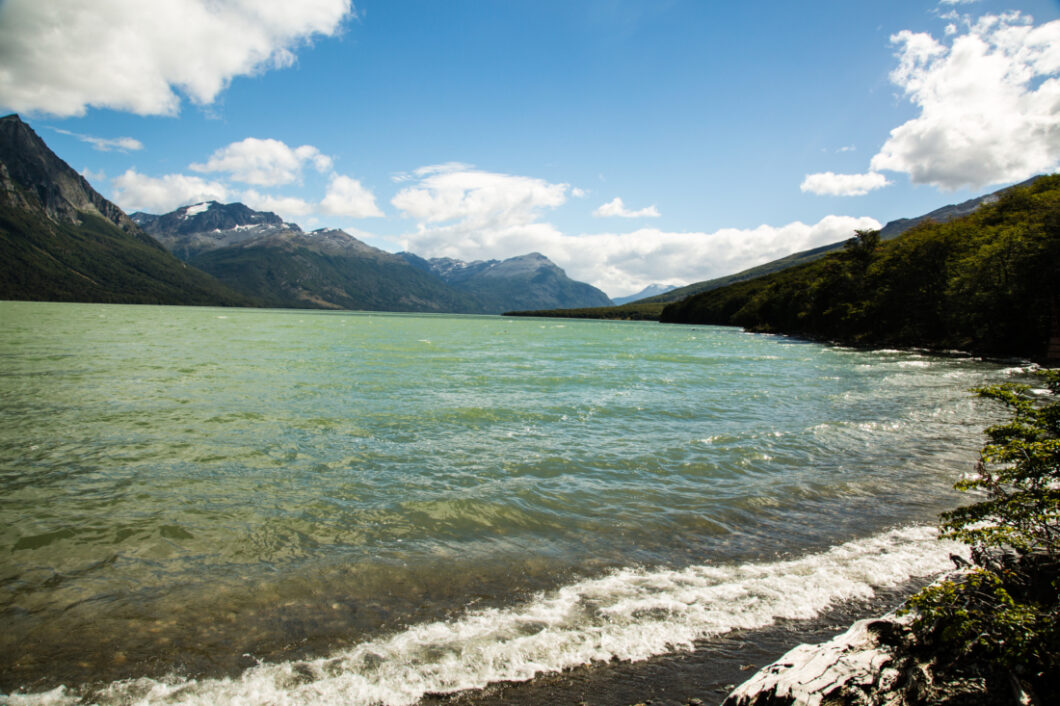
1004,615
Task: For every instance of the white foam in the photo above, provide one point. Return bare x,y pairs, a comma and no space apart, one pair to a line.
630,614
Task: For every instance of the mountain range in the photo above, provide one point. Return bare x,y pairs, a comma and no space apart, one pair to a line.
60,240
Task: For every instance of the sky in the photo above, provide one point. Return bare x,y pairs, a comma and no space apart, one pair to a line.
630,141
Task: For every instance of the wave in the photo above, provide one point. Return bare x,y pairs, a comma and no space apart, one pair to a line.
629,614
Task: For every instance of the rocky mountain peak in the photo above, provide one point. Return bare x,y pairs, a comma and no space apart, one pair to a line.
35,177
196,228
210,216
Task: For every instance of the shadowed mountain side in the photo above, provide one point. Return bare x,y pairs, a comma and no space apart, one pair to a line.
61,241
332,270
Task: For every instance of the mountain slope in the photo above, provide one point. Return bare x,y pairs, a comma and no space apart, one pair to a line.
328,269
987,282
61,241
889,231
529,281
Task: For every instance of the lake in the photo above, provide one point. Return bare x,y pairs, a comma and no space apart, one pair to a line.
203,505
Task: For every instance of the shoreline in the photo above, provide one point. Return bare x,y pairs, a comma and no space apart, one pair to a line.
703,677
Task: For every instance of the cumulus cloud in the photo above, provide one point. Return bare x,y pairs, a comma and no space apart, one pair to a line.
261,163
136,192
831,184
346,196
63,56
476,199
473,215
94,178
264,162
989,107
989,104
625,262
621,262
287,207
105,144
615,207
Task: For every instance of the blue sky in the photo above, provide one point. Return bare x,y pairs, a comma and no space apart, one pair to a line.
730,133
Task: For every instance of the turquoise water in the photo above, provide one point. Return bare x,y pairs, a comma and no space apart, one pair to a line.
203,505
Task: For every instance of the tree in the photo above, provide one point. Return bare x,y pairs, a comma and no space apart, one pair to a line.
1005,613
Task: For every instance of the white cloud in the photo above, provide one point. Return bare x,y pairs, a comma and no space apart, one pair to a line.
618,262
105,144
477,199
443,168
62,56
989,104
831,184
348,197
479,215
287,207
94,178
264,162
615,207
136,192
251,161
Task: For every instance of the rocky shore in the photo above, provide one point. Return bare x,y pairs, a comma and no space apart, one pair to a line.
871,663
877,662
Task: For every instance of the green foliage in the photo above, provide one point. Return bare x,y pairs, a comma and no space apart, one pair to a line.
1005,613
986,283
1018,473
979,618
95,261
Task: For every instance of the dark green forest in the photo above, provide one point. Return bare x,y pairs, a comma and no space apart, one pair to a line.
985,283
95,261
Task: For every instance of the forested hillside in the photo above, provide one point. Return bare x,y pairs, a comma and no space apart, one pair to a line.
984,283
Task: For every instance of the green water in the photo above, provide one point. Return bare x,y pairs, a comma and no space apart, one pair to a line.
191,491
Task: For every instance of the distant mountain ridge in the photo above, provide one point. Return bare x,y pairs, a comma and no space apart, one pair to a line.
190,230
277,262
60,240
652,290
524,282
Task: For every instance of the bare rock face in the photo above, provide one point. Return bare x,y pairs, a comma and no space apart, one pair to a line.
61,194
